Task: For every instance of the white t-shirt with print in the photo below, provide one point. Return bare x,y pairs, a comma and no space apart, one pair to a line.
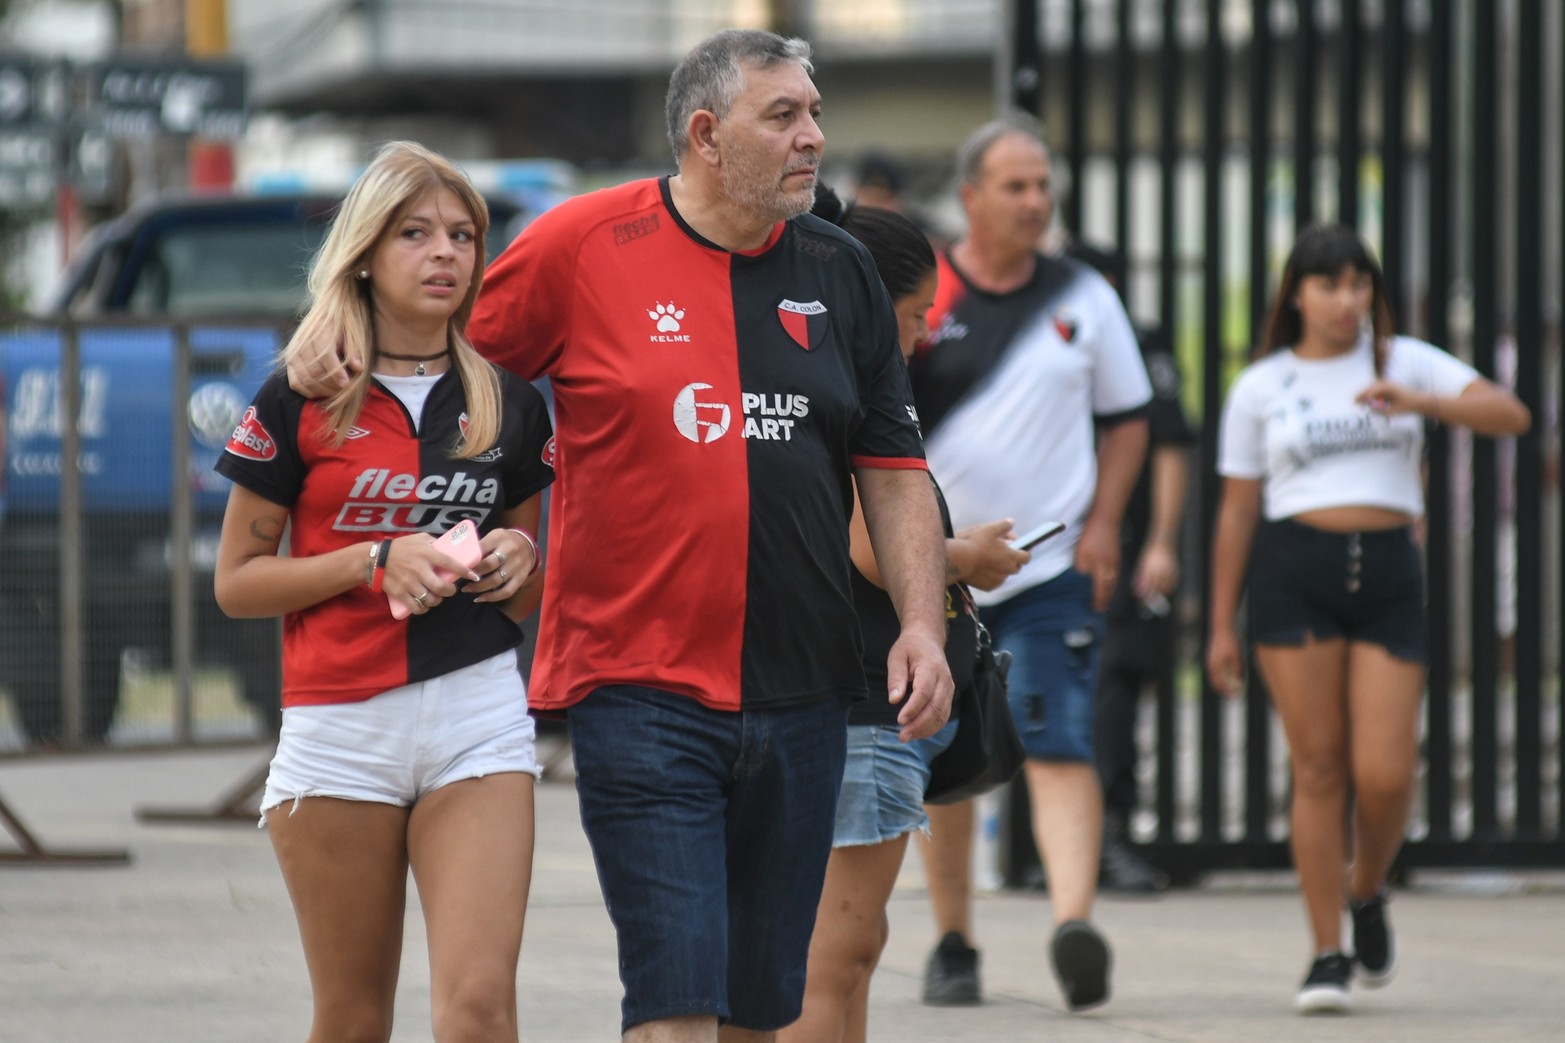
1293,423
1023,376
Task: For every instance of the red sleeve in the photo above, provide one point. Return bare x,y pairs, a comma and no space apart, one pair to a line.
523,315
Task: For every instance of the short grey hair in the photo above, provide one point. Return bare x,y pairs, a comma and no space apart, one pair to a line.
970,156
711,76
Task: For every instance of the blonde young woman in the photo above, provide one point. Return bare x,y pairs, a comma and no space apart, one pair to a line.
405,743
1321,457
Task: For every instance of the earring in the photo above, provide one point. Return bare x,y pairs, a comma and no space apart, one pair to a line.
364,274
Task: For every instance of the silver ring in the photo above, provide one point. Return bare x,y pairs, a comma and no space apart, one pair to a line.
420,598
504,575
500,555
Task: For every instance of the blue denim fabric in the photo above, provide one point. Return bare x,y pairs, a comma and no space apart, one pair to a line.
883,784
711,831
1054,638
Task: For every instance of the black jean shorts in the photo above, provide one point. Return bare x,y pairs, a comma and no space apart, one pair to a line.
1362,586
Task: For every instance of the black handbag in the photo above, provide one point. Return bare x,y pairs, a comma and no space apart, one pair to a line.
987,751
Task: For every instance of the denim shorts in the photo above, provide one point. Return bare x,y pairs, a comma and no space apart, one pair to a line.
1362,586
883,784
399,745
1053,636
710,830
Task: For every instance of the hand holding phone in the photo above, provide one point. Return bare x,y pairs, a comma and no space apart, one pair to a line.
461,543
1030,539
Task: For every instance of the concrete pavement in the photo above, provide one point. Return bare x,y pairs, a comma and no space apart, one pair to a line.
194,940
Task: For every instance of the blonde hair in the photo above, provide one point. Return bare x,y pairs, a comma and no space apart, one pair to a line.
341,305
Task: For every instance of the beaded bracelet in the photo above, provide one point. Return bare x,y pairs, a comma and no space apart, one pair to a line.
537,556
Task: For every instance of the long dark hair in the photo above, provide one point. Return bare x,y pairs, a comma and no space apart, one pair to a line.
1326,250
900,248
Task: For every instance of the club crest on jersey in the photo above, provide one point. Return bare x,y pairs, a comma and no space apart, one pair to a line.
805,323
1065,325
251,440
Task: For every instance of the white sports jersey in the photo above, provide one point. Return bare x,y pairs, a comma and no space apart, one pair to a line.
1008,389
1293,423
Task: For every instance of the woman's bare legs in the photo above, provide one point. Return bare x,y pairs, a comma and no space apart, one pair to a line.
1384,696
345,864
850,932
1309,689
470,844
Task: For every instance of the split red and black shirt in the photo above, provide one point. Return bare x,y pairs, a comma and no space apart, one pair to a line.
710,407
386,479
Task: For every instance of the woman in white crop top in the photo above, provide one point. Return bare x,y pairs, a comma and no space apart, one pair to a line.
1321,453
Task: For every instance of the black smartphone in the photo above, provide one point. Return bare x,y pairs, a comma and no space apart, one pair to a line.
1029,540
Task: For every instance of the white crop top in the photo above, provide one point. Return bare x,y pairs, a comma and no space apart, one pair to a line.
1293,423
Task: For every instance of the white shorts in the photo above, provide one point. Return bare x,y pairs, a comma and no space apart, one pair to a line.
399,745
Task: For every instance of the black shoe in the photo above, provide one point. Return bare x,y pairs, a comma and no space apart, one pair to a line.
1081,963
1325,988
951,979
1122,870
1373,948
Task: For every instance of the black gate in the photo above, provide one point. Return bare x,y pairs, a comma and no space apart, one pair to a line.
1436,128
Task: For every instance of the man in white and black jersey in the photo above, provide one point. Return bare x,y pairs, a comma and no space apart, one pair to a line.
1033,398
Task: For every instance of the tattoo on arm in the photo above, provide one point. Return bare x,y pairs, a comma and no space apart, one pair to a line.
268,530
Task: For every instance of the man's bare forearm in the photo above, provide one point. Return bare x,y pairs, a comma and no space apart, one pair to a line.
1170,472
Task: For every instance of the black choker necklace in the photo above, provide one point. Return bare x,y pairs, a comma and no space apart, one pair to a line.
420,359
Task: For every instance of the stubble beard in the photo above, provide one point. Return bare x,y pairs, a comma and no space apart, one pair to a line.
756,191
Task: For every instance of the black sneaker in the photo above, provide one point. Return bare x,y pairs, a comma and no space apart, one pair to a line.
951,979
1325,988
1081,963
1373,948
1123,871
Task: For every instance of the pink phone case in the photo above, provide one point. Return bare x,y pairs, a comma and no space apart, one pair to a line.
461,543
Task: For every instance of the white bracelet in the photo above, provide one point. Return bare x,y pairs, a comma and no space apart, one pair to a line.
537,557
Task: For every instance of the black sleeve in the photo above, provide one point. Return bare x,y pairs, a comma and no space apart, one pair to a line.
263,452
1165,414
528,437
889,431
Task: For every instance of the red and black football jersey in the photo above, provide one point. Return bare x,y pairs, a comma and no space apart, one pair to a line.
385,479
710,406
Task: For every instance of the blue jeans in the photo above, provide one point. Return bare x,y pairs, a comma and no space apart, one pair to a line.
883,784
1054,637
711,831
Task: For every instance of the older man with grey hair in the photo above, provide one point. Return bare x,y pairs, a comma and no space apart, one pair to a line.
722,364
1034,397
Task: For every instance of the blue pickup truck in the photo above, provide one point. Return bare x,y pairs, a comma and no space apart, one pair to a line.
233,269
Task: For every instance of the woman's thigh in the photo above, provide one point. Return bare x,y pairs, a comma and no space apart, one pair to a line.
345,864
1308,686
1385,693
470,844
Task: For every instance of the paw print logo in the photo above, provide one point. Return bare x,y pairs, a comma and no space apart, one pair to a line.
667,317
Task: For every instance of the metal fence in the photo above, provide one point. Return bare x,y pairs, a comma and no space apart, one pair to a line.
1435,127
109,632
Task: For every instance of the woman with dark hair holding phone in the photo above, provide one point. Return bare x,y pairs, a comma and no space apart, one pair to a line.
1321,453
884,778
